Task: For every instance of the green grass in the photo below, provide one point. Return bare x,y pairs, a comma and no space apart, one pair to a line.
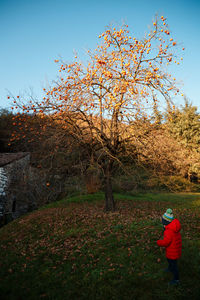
72,249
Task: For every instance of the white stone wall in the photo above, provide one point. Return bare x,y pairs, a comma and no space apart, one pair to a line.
3,185
13,189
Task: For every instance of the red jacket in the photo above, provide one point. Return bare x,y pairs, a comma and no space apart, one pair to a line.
172,240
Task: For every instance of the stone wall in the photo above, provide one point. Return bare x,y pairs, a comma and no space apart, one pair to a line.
14,173
3,188
24,188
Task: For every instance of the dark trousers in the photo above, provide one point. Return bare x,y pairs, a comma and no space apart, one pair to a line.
173,267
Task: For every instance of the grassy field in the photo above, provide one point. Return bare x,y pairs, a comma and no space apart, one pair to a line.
72,249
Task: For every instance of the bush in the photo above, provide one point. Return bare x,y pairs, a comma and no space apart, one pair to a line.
172,183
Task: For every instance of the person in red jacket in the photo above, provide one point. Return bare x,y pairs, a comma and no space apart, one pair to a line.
172,243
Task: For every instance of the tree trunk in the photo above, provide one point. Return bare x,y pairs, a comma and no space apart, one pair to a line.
109,199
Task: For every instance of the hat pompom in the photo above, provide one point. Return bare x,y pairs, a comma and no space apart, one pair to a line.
169,211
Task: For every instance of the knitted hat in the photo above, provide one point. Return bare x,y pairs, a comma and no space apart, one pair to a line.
167,217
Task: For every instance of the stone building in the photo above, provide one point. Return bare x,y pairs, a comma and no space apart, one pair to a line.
14,173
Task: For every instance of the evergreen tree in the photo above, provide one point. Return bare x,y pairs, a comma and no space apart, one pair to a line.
184,124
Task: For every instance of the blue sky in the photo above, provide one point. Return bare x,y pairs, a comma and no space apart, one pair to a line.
33,33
